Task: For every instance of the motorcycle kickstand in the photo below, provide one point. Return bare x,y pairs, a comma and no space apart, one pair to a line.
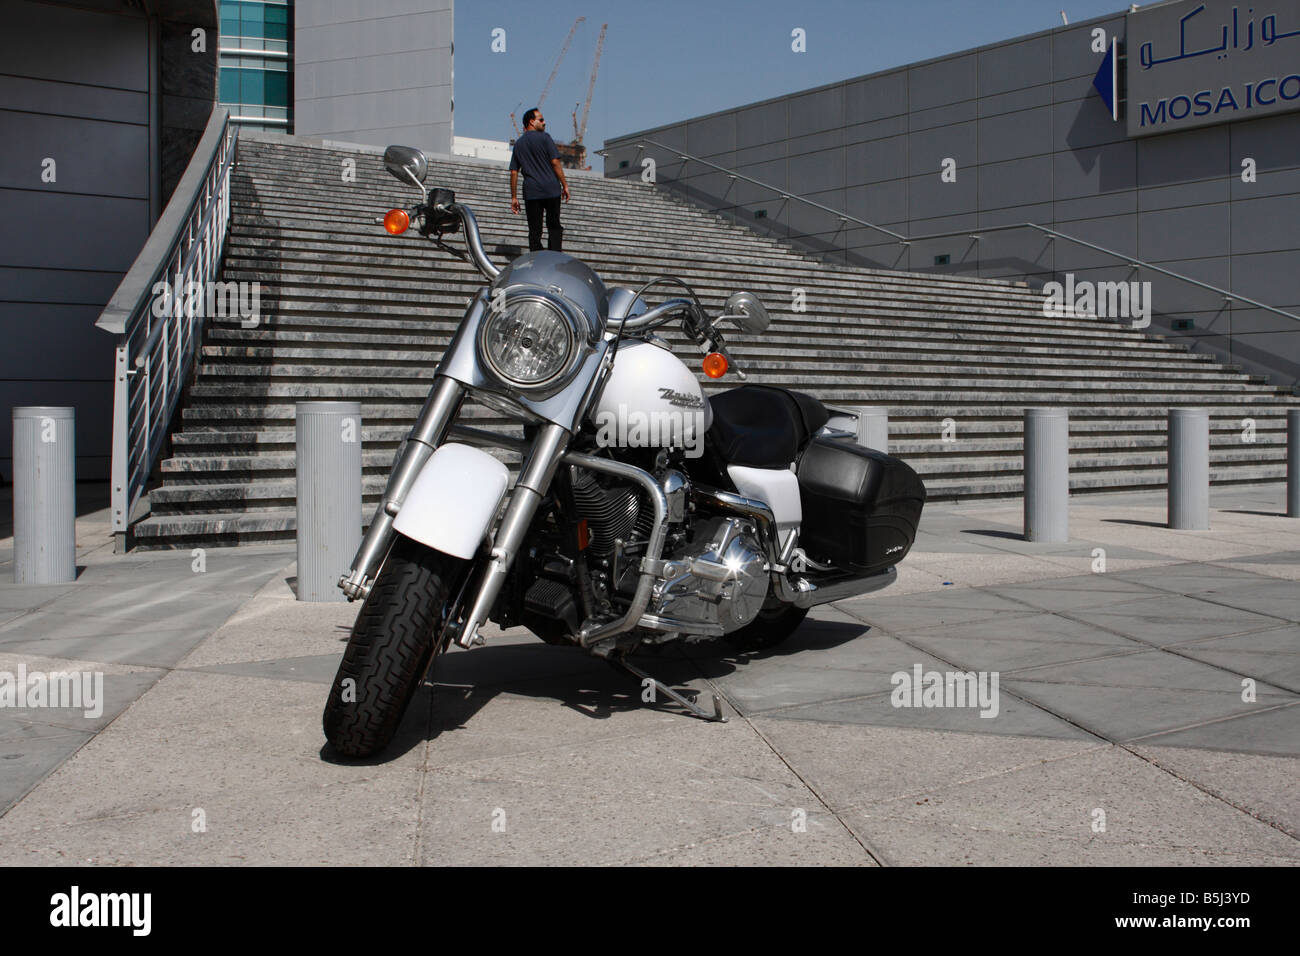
716,717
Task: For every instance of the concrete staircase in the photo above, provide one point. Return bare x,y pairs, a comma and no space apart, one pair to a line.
349,312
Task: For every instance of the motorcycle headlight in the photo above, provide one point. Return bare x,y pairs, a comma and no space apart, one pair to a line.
530,342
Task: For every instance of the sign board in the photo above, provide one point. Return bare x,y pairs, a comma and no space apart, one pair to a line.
1201,62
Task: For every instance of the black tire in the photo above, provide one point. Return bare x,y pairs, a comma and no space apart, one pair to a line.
772,626
389,651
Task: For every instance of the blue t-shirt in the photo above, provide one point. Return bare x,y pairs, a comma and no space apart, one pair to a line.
533,154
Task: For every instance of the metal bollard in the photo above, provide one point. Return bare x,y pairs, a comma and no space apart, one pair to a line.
328,441
873,428
1047,474
1293,462
1189,469
45,495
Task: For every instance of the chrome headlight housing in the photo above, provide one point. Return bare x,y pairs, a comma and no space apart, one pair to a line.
532,342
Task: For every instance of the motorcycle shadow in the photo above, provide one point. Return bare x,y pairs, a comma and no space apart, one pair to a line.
465,682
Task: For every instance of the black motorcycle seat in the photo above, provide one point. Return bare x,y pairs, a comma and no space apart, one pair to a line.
761,426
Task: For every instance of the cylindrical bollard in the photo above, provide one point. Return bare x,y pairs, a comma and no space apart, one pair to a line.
1047,474
1189,469
1293,462
45,495
873,428
328,436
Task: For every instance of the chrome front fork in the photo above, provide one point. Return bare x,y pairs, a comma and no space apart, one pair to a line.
534,479
429,431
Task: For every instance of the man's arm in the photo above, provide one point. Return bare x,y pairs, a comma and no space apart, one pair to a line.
514,190
564,183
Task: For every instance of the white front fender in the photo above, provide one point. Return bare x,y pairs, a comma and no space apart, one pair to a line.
453,500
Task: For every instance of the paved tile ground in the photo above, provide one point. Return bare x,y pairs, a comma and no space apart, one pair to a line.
1147,712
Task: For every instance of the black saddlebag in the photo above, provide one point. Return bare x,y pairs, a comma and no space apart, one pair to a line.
860,506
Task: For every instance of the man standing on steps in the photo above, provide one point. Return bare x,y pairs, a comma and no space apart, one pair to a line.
544,182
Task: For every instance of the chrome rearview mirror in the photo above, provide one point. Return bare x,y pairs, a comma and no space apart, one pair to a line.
407,164
747,311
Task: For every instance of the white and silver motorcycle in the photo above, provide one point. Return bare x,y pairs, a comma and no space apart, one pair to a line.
642,513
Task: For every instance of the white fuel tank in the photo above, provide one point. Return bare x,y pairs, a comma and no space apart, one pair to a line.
652,399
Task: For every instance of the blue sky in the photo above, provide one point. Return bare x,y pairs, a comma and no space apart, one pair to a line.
666,60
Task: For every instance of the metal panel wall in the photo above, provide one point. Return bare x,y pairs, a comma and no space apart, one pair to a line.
385,80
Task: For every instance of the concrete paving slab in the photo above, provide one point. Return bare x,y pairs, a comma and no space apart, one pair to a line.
1193,578
1281,599
464,726
317,669
1012,655
69,636
956,605
121,684
28,597
1081,591
29,752
1173,619
904,843
1180,545
1122,714
1014,717
975,570
1143,807
1263,786
200,737
1144,669
1273,730
854,765
1029,626
824,842
368,822
541,819
1285,571
1278,670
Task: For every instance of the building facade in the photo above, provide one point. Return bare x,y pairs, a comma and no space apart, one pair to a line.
1181,166
92,143
256,63
373,73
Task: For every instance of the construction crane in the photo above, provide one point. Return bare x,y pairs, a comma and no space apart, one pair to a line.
574,155
555,69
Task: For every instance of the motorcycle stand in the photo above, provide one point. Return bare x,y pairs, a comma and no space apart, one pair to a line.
716,717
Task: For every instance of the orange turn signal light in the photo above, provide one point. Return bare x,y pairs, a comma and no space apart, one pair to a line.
715,365
396,221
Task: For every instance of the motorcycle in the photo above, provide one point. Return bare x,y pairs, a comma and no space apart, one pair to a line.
643,512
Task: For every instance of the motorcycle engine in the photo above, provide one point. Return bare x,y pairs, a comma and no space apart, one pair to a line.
715,577
718,582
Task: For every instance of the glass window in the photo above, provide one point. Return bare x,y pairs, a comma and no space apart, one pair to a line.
277,88
229,86
230,18
251,87
277,23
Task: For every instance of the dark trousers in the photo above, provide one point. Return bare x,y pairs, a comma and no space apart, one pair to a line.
554,231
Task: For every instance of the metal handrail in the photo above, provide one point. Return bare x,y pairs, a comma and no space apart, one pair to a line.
156,339
1228,294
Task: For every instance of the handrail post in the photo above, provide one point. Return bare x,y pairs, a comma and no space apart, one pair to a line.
154,351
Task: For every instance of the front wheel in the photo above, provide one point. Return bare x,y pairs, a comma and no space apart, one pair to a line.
391,644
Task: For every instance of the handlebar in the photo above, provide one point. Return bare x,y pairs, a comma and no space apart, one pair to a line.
472,239
696,321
